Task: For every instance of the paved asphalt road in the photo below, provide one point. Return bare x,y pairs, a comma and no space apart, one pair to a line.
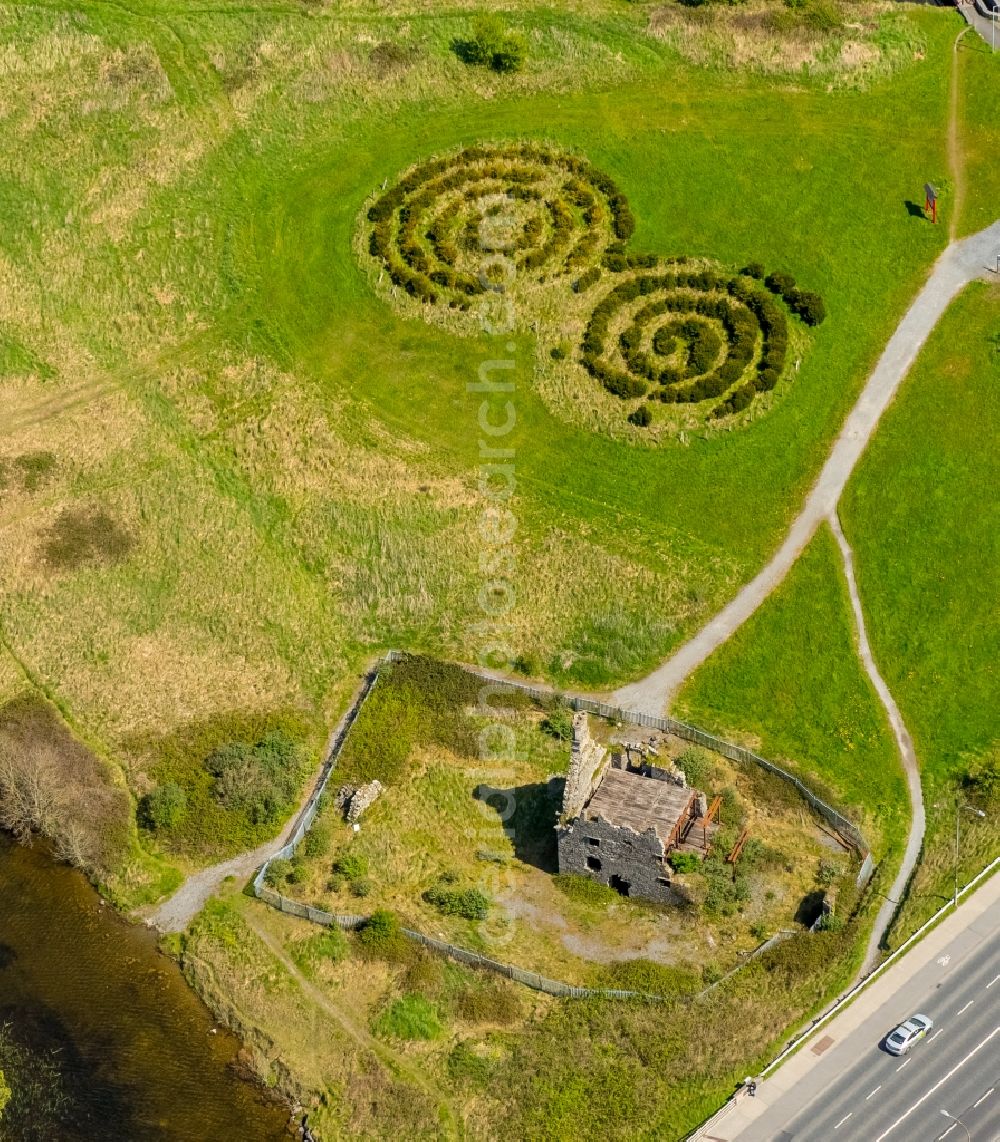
859,1093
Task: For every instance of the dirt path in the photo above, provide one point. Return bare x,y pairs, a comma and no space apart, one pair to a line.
904,744
960,264
391,1060
954,140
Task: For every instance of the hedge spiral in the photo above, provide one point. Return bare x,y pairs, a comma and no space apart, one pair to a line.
460,226
687,336
552,213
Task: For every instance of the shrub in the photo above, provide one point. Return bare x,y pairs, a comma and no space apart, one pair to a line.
164,807
780,283
698,767
488,1002
830,922
278,872
558,353
642,417
382,938
411,1017
351,866
649,976
559,723
528,664
759,855
316,842
684,862
732,811
758,931
469,903
587,279
822,16
809,307
753,270
465,1066
724,895
258,780
387,57
710,973
827,872
982,776
361,887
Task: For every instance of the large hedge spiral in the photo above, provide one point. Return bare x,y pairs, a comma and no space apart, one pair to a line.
428,229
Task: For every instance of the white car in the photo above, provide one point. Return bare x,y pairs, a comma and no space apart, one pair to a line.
900,1040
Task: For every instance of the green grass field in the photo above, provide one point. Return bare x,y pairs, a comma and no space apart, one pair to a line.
790,681
292,461
980,115
924,526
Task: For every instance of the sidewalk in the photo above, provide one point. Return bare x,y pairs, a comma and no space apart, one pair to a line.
982,23
797,1082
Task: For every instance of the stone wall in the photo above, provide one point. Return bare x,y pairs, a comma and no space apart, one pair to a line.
585,768
628,861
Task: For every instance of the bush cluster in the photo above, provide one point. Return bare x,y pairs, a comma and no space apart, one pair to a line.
803,303
703,352
259,779
491,44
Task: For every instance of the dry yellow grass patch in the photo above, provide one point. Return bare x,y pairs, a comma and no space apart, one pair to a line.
818,38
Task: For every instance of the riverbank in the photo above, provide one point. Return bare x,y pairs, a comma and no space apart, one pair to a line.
100,1032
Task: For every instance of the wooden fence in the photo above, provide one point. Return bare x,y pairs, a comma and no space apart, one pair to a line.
851,835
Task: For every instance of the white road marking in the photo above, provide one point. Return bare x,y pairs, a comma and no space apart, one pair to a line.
944,961
993,981
985,1097
967,1006
947,1132
843,1120
923,1098
875,1091
935,1035
901,1065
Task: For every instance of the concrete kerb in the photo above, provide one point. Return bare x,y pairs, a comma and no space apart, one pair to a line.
848,997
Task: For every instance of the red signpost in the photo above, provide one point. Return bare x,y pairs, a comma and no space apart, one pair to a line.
930,201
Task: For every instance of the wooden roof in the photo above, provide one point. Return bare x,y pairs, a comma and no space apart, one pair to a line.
625,798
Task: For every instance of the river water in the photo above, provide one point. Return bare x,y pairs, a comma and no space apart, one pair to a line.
99,1033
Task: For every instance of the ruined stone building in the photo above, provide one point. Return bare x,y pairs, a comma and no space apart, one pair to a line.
623,814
